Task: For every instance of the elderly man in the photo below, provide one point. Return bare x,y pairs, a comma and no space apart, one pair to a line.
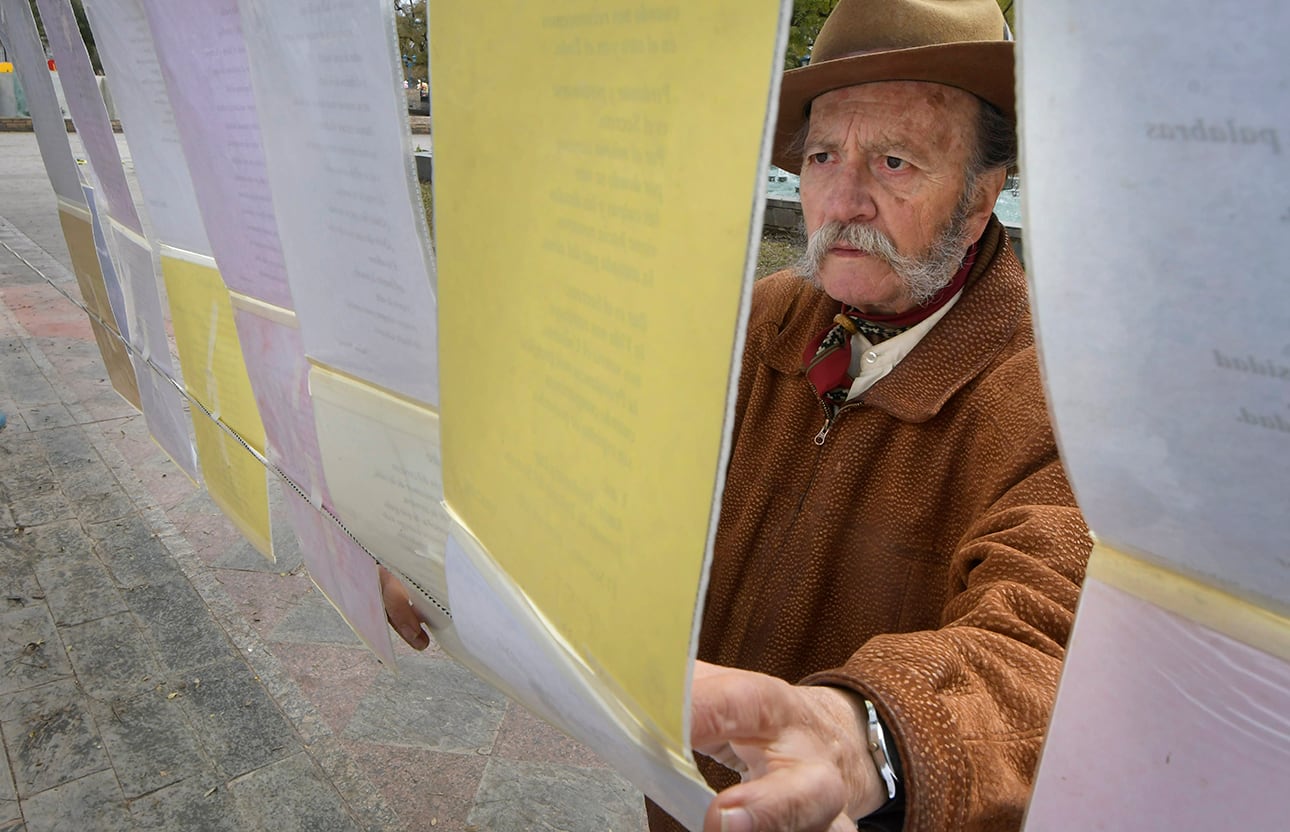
899,553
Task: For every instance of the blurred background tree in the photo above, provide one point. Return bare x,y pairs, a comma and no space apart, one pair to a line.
410,29
82,22
808,17
1009,13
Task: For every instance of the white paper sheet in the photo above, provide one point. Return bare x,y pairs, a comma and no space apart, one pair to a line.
139,95
89,113
163,404
1157,206
1161,723
203,61
501,631
279,377
111,280
344,573
279,374
381,456
353,238
18,32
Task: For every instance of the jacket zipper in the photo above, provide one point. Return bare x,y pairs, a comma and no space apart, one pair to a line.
829,415
830,418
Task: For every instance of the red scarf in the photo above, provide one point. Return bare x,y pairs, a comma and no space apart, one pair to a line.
827,358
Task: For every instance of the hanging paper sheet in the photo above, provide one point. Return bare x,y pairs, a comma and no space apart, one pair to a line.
111,280
203,61
202,58
78,231
22,42
89,113
164,407
381,455
353,234
343,572
139,94
1157,203
280,379
1159,280
279,374
500,630
211,357
589,322
1135,674
18,32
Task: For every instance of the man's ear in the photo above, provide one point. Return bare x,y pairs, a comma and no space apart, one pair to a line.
989,185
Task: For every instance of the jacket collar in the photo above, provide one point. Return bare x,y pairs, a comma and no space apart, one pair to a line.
954,352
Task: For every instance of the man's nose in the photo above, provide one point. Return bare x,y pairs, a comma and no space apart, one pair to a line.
850,194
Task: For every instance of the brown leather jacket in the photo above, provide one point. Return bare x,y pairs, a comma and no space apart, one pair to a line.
927,555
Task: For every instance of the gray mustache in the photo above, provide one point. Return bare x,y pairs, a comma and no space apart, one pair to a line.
861,237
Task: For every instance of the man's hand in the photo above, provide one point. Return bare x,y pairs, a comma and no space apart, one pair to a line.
403,617
802,753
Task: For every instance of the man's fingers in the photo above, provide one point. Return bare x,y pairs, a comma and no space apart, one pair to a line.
737,705
796,748
704,669
728,757
408,625
806,797
400,613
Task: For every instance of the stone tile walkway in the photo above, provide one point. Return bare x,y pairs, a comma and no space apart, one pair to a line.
157,673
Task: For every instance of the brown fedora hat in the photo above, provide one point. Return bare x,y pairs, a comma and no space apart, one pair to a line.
959,43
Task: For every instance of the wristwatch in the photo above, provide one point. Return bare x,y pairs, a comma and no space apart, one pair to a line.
882,758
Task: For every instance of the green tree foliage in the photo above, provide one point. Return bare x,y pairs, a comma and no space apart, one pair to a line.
1009,8
82,22
809,16
410,27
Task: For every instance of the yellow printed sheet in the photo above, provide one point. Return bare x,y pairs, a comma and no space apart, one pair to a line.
215,372
601,161
79,233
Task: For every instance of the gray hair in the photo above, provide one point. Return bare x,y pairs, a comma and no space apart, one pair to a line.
996,142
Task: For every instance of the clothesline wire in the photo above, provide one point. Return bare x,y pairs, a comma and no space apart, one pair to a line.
193,401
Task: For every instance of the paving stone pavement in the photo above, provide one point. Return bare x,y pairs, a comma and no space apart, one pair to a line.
156,673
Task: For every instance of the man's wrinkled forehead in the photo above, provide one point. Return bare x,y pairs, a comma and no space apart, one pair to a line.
937,116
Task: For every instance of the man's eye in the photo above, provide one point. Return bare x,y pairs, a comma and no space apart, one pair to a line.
819,158
895,163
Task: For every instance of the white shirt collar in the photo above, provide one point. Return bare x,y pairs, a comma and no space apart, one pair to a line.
870,362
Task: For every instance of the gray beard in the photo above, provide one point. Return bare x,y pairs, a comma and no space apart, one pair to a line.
923,274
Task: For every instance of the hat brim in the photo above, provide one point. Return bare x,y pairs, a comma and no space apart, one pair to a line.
983,68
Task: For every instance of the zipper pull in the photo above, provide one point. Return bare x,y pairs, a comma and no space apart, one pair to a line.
824,431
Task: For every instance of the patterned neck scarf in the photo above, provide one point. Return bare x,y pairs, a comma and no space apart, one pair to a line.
827,358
